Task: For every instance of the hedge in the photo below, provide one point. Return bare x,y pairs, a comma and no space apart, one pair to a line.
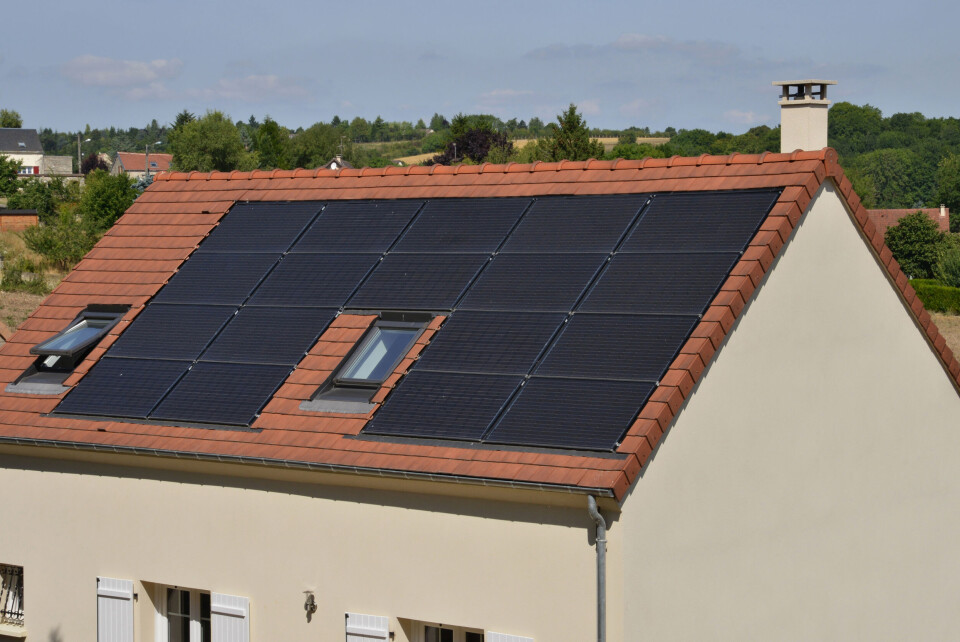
937,297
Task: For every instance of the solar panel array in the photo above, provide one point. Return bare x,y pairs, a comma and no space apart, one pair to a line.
563,312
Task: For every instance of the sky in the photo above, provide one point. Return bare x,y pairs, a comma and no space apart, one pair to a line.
684,64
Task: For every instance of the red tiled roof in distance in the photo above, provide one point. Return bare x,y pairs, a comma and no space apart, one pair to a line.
133,162
178,210
884,219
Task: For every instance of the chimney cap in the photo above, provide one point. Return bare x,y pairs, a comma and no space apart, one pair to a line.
781,83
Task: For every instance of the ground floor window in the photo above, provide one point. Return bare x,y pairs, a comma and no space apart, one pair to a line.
11,595
184,615
447,633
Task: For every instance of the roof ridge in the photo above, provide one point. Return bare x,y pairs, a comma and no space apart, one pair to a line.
827,155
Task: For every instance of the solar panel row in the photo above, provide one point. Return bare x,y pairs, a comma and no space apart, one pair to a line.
565,310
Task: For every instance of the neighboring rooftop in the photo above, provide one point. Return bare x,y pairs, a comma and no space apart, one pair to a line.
179,212
886,218
133,162
14,140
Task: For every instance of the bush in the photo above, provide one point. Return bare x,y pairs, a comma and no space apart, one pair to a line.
17,277
63,243
937,297
914,242
947,269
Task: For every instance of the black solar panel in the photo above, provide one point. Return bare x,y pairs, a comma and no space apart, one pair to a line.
214,278
571,413
575,224
533,282
314,279
619,346
358,226
443,405
165,331
269,335
490,342
222,393
122,387
418,281
260,227
692,222
659,283
462,225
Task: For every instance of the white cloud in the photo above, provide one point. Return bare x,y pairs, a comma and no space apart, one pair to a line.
739,117
95,71
254,88
589,107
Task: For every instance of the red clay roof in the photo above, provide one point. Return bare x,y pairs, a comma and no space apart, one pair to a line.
146,246
132,162
888,218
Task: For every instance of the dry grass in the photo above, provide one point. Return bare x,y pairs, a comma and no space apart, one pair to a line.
15,307
949,325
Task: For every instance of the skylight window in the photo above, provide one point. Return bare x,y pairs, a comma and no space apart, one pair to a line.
371,362
60,354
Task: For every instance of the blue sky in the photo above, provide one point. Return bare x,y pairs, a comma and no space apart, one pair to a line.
683,63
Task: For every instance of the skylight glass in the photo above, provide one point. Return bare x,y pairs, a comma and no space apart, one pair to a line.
74,336
378,355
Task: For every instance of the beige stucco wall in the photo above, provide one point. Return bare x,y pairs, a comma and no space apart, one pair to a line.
479,561
809,490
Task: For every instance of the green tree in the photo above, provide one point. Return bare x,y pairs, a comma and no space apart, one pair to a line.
316,145
9,170
45,197
915,242
571,141
210,143
853,129
10,118
890,178
105,197
948,188
182,119
438,122
272,144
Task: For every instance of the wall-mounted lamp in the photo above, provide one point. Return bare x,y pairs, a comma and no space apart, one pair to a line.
310,605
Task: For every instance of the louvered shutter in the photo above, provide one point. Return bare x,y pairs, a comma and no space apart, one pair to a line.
229,618
114,610
366,628
490,636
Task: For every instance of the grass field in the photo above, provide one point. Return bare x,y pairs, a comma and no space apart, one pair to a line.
949,325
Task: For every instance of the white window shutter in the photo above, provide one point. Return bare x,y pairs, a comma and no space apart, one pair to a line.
367,628
229,618
114,610
490,636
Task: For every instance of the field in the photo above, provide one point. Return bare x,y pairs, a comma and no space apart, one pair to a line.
949,325
608,144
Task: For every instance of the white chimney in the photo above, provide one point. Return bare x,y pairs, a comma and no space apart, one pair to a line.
803,114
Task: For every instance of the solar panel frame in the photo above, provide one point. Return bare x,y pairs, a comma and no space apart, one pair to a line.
490,342
171,331
316,280
269,335
617,346
238,274
659,283
117,387
558,224
443,405
701,221
358,226
261,227
227,394
551,413
462,226
418,281
530,282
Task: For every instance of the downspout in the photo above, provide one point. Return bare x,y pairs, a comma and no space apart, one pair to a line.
601,568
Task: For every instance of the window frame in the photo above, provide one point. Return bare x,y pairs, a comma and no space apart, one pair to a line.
110,317
366,342
195,617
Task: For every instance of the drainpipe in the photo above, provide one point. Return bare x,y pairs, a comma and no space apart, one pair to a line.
601,568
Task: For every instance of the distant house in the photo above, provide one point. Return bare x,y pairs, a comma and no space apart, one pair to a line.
135,165
888,218
337,162
23,145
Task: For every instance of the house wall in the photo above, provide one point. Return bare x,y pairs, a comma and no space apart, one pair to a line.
809,488
26,160
473,561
